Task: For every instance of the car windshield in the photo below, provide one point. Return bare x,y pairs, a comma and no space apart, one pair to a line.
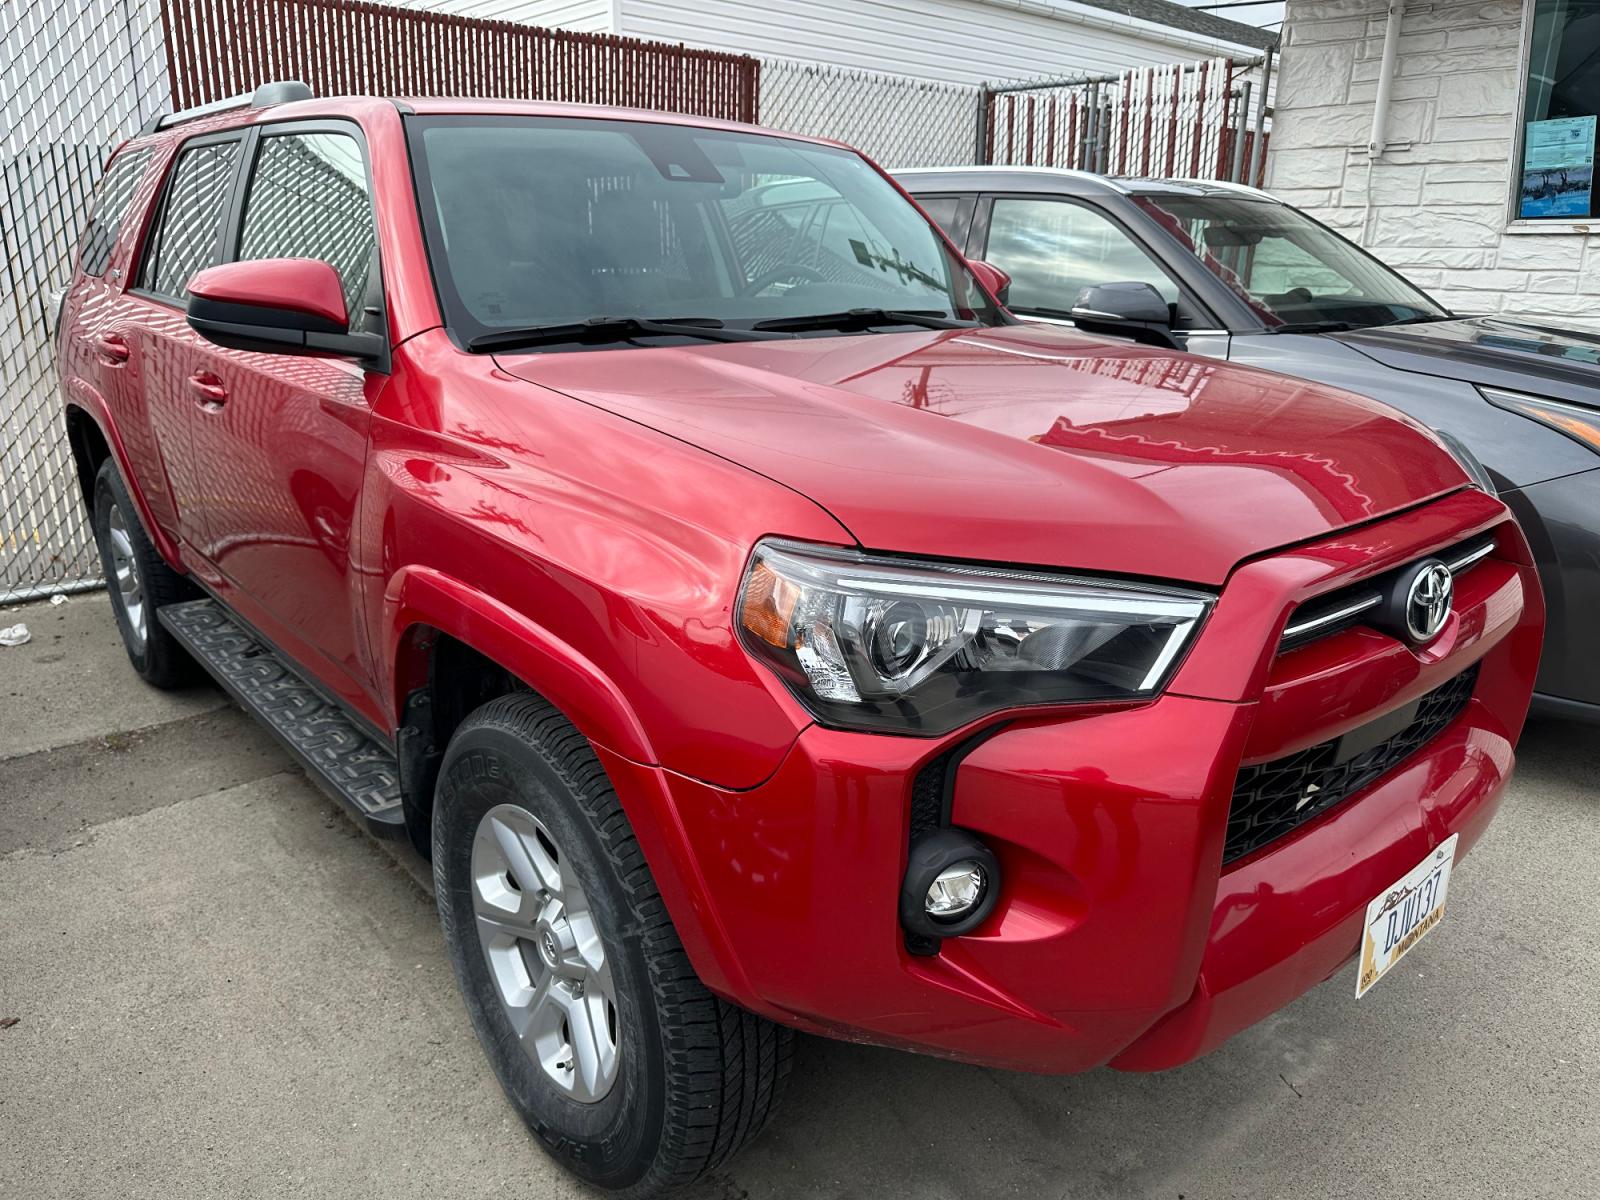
1293,272
541,222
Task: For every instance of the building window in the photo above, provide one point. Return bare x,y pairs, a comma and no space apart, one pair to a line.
1555,168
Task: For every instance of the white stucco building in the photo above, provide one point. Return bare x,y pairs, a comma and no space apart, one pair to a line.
1483,191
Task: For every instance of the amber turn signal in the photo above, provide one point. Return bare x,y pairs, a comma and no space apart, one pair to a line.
769,602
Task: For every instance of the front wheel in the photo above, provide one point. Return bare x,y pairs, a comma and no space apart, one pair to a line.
633,1075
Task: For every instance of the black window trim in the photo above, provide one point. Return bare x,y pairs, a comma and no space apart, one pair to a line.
1206,319
159,210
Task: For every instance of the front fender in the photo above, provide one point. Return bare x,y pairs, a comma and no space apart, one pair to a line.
559,672
424,597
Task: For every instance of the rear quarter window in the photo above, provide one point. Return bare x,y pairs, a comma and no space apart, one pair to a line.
112,200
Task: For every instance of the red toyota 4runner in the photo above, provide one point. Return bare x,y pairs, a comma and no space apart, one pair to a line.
660,524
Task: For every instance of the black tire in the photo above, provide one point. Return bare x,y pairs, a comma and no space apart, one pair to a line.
155,654
697,1077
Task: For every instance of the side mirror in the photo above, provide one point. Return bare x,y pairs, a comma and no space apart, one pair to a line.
279,305
995,281
1129,310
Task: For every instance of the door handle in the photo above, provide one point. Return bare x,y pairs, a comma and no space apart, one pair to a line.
113,349
208,389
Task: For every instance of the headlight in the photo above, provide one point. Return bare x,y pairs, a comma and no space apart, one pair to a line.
1577,422
923,647
1476,471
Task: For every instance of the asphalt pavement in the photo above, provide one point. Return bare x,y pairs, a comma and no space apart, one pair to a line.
212,984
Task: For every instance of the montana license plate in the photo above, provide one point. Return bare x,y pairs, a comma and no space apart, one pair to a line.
1402,916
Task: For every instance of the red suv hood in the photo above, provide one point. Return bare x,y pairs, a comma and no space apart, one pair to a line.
1027,444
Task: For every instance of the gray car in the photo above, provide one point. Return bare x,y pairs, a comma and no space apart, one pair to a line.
1227,271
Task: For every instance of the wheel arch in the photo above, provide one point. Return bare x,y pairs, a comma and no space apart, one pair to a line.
427,610
452,649
92,438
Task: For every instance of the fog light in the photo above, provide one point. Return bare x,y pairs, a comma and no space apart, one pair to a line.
951,884
956,891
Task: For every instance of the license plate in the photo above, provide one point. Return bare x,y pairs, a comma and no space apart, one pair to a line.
1403,915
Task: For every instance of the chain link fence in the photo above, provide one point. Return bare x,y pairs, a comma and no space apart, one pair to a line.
896,120
77,79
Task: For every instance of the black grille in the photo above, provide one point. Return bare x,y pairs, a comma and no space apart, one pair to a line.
1272,798
927,797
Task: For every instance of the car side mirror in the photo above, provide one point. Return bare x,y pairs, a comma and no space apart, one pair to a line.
281,306
995,281
1129,310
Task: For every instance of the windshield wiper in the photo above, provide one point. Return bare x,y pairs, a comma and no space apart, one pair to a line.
1319,326
602,330
863,318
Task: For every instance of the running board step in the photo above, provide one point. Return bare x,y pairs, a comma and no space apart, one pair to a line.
342,758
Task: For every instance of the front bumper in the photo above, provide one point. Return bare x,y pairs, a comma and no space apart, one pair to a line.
1119,936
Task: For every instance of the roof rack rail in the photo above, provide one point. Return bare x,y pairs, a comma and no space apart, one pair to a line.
279,92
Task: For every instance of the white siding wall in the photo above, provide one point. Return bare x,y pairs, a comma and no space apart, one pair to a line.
1438,208
954,41
585,16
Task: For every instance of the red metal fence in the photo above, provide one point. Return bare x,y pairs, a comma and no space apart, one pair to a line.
1188,120
220,48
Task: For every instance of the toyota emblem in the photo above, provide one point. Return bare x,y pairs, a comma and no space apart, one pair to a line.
1428,601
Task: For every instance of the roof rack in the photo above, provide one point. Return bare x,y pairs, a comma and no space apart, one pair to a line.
280,92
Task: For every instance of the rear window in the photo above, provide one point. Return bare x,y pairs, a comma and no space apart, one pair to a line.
110,209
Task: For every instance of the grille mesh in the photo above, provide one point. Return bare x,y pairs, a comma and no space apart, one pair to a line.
1273,798
927,797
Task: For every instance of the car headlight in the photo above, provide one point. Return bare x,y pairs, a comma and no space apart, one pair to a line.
1476,471
922,647
1577,422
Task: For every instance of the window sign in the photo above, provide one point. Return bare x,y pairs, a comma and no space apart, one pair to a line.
1557,168
1553,171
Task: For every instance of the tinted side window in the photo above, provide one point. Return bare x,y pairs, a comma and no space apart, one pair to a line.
1053,250
308,198
953,214
110,209
189,235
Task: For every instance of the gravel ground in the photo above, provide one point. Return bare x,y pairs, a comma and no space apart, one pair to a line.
221,988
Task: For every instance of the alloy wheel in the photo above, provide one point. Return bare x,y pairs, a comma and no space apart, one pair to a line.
544,953
126,578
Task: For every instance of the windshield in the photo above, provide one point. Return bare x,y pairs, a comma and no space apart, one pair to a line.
535,222
1292,271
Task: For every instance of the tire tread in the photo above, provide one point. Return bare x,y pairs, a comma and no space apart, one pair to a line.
726,1067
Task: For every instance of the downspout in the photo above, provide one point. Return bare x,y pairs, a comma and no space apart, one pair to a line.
1377,141
1376,144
